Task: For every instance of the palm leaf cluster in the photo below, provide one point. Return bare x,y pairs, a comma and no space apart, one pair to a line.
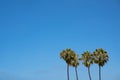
70,57
87,59
99,56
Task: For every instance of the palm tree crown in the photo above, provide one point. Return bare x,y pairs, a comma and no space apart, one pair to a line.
68,55
74,60
100,56
87,59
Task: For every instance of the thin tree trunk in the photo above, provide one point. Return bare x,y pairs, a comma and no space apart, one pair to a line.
68,71
76,73
99,73
89,73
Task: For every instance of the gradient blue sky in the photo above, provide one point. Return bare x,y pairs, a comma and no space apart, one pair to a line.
33,33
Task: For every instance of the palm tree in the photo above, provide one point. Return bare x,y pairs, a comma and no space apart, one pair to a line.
75,63
67,56
87,60
100,58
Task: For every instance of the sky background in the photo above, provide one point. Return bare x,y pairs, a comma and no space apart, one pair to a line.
34,32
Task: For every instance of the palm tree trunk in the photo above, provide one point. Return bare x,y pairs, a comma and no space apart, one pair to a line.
68,71
99,73
76,73
89,73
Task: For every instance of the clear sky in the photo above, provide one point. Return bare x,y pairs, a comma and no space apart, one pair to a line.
34,32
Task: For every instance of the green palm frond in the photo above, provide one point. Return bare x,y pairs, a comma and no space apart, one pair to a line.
70,57
100,56
86,59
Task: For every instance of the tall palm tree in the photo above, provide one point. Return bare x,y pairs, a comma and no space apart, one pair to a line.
67,56
100,58
87,60
75,63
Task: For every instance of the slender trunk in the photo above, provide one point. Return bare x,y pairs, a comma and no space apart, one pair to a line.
76,73
68,71
99,73
89,73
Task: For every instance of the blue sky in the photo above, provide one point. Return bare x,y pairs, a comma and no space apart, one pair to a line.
34,32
